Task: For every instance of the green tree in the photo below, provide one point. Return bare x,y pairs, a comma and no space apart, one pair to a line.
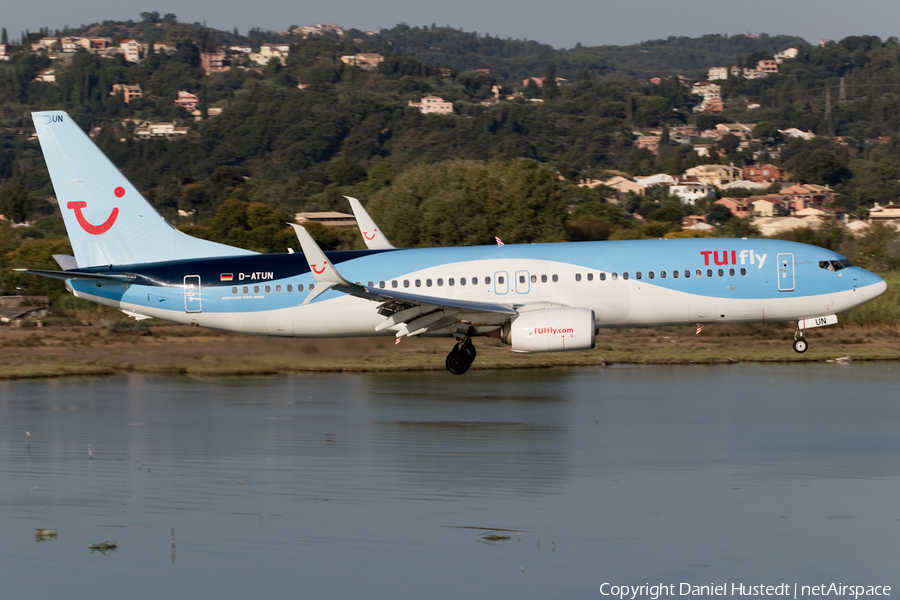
470,202
588,228
765,130
551,89
15,202
739,228
821,166
718,213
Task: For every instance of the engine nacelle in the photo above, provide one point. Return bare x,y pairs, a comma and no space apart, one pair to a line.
551,330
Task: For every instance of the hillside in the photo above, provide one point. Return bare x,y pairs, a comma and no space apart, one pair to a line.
299,130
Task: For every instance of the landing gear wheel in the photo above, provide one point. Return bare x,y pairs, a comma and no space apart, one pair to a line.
458,362
469,349
800,345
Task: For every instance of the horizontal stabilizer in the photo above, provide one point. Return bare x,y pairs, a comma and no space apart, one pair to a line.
76,275
65,262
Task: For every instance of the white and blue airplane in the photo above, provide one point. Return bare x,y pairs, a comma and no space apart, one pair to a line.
535,297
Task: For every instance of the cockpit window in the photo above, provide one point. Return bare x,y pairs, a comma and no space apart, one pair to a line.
834,265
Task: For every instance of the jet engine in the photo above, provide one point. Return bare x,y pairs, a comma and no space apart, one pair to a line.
551,330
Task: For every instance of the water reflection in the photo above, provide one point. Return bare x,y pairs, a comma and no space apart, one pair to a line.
670,474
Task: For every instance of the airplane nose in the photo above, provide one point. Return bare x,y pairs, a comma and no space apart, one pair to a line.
871,284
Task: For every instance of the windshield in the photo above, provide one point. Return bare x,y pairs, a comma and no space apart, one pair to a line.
835,265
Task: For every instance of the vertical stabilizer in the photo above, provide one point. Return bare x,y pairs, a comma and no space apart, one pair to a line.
109,222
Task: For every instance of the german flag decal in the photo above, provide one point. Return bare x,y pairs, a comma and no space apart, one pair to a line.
226,277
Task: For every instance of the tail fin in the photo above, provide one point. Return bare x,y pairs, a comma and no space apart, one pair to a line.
108,221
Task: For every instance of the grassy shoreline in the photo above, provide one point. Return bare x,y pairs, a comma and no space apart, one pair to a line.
177,350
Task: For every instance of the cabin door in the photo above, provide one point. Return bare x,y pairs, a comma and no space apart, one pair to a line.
192,301
523,282
785,272
501,283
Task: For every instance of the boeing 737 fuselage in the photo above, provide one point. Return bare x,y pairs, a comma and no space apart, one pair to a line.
536,298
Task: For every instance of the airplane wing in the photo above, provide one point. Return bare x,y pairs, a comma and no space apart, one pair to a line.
76,275
412,314
373,236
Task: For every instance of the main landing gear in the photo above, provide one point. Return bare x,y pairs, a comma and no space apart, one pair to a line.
461,357
800,345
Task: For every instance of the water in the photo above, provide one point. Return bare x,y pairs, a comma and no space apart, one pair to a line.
383,486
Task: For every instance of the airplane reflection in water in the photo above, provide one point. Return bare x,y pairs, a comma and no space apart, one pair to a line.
535,297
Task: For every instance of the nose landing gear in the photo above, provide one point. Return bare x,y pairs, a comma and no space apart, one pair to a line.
800,344
461,357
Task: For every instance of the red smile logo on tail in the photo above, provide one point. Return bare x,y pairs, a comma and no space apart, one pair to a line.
86,225
366,234
319,271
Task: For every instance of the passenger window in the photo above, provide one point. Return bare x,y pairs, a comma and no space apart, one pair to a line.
394,283
638,275
577,276
312,286
615,276
555,278
290,287
371,284
731,272
500,280
709,272
721,272
625,275
534,278
299,287
440,282
381,284
743,271
474,281
675,273
428,283
662,274
451,281
234,290
687,272
246,290
651,274
406,283
699,273
462,280
255,289
590,276
602,276
278,288
418,283
268,289
543,279
521,279
487,281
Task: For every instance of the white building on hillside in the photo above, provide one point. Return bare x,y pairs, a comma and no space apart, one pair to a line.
658,179
689,193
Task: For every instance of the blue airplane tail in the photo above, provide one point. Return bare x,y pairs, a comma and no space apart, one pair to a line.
109,222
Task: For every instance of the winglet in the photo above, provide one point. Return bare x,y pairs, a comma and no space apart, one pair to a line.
321,267
373,236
